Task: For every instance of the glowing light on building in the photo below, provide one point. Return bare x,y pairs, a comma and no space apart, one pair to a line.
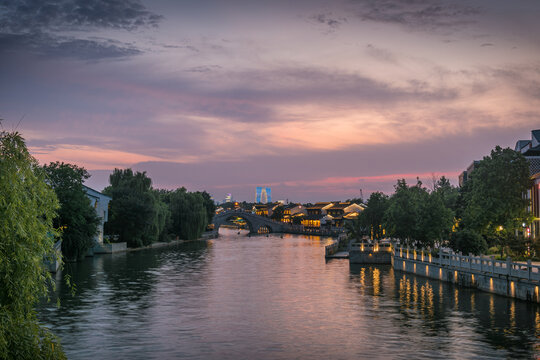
263,195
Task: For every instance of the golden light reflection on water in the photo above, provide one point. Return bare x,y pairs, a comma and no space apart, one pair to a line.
513,315
492,310
537,323
456,299
376,281
376,288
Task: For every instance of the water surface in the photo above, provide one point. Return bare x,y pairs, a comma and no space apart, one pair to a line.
239,297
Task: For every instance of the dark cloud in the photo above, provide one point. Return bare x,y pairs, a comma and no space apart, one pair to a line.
329,20
57,46
37,26
289,85
487,45
431,14
39,15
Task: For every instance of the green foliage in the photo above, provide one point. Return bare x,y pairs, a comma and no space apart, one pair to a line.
467,242
135,213
27,209
209,206
449,194
188,214
403,211
417,216
373,216
76,216
493,202
277,213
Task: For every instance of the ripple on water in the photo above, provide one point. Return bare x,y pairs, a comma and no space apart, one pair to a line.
272,298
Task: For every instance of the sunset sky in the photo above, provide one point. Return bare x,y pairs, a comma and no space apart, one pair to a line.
316,99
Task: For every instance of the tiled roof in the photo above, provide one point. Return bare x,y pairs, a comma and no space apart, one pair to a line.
536,135
520,144
318,206
339,206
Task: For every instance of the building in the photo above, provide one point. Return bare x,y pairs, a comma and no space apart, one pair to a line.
100,203
263,209
464,176
344,210
312,222
291,211
263,195
319,208
531,151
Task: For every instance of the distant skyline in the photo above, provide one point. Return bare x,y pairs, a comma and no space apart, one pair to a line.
315,99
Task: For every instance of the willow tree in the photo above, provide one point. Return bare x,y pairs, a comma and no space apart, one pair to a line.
27,208
188,214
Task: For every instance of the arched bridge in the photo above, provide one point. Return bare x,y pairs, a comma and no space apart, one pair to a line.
254,222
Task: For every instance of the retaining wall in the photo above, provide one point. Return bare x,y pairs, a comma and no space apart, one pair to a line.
488,276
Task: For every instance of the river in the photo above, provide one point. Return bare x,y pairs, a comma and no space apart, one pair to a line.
239,297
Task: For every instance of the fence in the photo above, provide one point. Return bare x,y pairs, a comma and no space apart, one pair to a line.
519,270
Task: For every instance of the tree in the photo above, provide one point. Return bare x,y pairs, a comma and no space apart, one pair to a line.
188,214
373,216
27,209
135,214
468,242
418,216
434,221
494,203
209,205
400,217
449,194
76,216
277,213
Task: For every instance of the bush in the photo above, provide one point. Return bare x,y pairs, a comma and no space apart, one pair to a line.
468,242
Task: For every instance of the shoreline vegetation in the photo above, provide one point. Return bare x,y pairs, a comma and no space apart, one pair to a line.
487,215
41,204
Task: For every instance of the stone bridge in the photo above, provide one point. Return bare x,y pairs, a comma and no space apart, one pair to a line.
254,222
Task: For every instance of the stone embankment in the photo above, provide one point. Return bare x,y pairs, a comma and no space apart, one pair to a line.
512,279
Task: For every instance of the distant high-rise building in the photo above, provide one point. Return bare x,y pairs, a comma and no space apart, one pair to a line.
263,195
228,198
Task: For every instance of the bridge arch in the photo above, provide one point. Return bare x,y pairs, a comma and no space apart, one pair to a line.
254,222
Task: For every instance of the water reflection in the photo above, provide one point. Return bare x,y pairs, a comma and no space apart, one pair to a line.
240,297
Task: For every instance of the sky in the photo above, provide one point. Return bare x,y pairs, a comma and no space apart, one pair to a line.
320,100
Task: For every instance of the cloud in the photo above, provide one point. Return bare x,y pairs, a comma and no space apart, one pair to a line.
381,54
329,20
487,45
417,14
39,27
59,46
330,175
41,15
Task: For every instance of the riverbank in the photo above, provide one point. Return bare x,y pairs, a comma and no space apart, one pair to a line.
507,278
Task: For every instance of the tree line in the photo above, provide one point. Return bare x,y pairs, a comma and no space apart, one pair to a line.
41,204
487,214
141,215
